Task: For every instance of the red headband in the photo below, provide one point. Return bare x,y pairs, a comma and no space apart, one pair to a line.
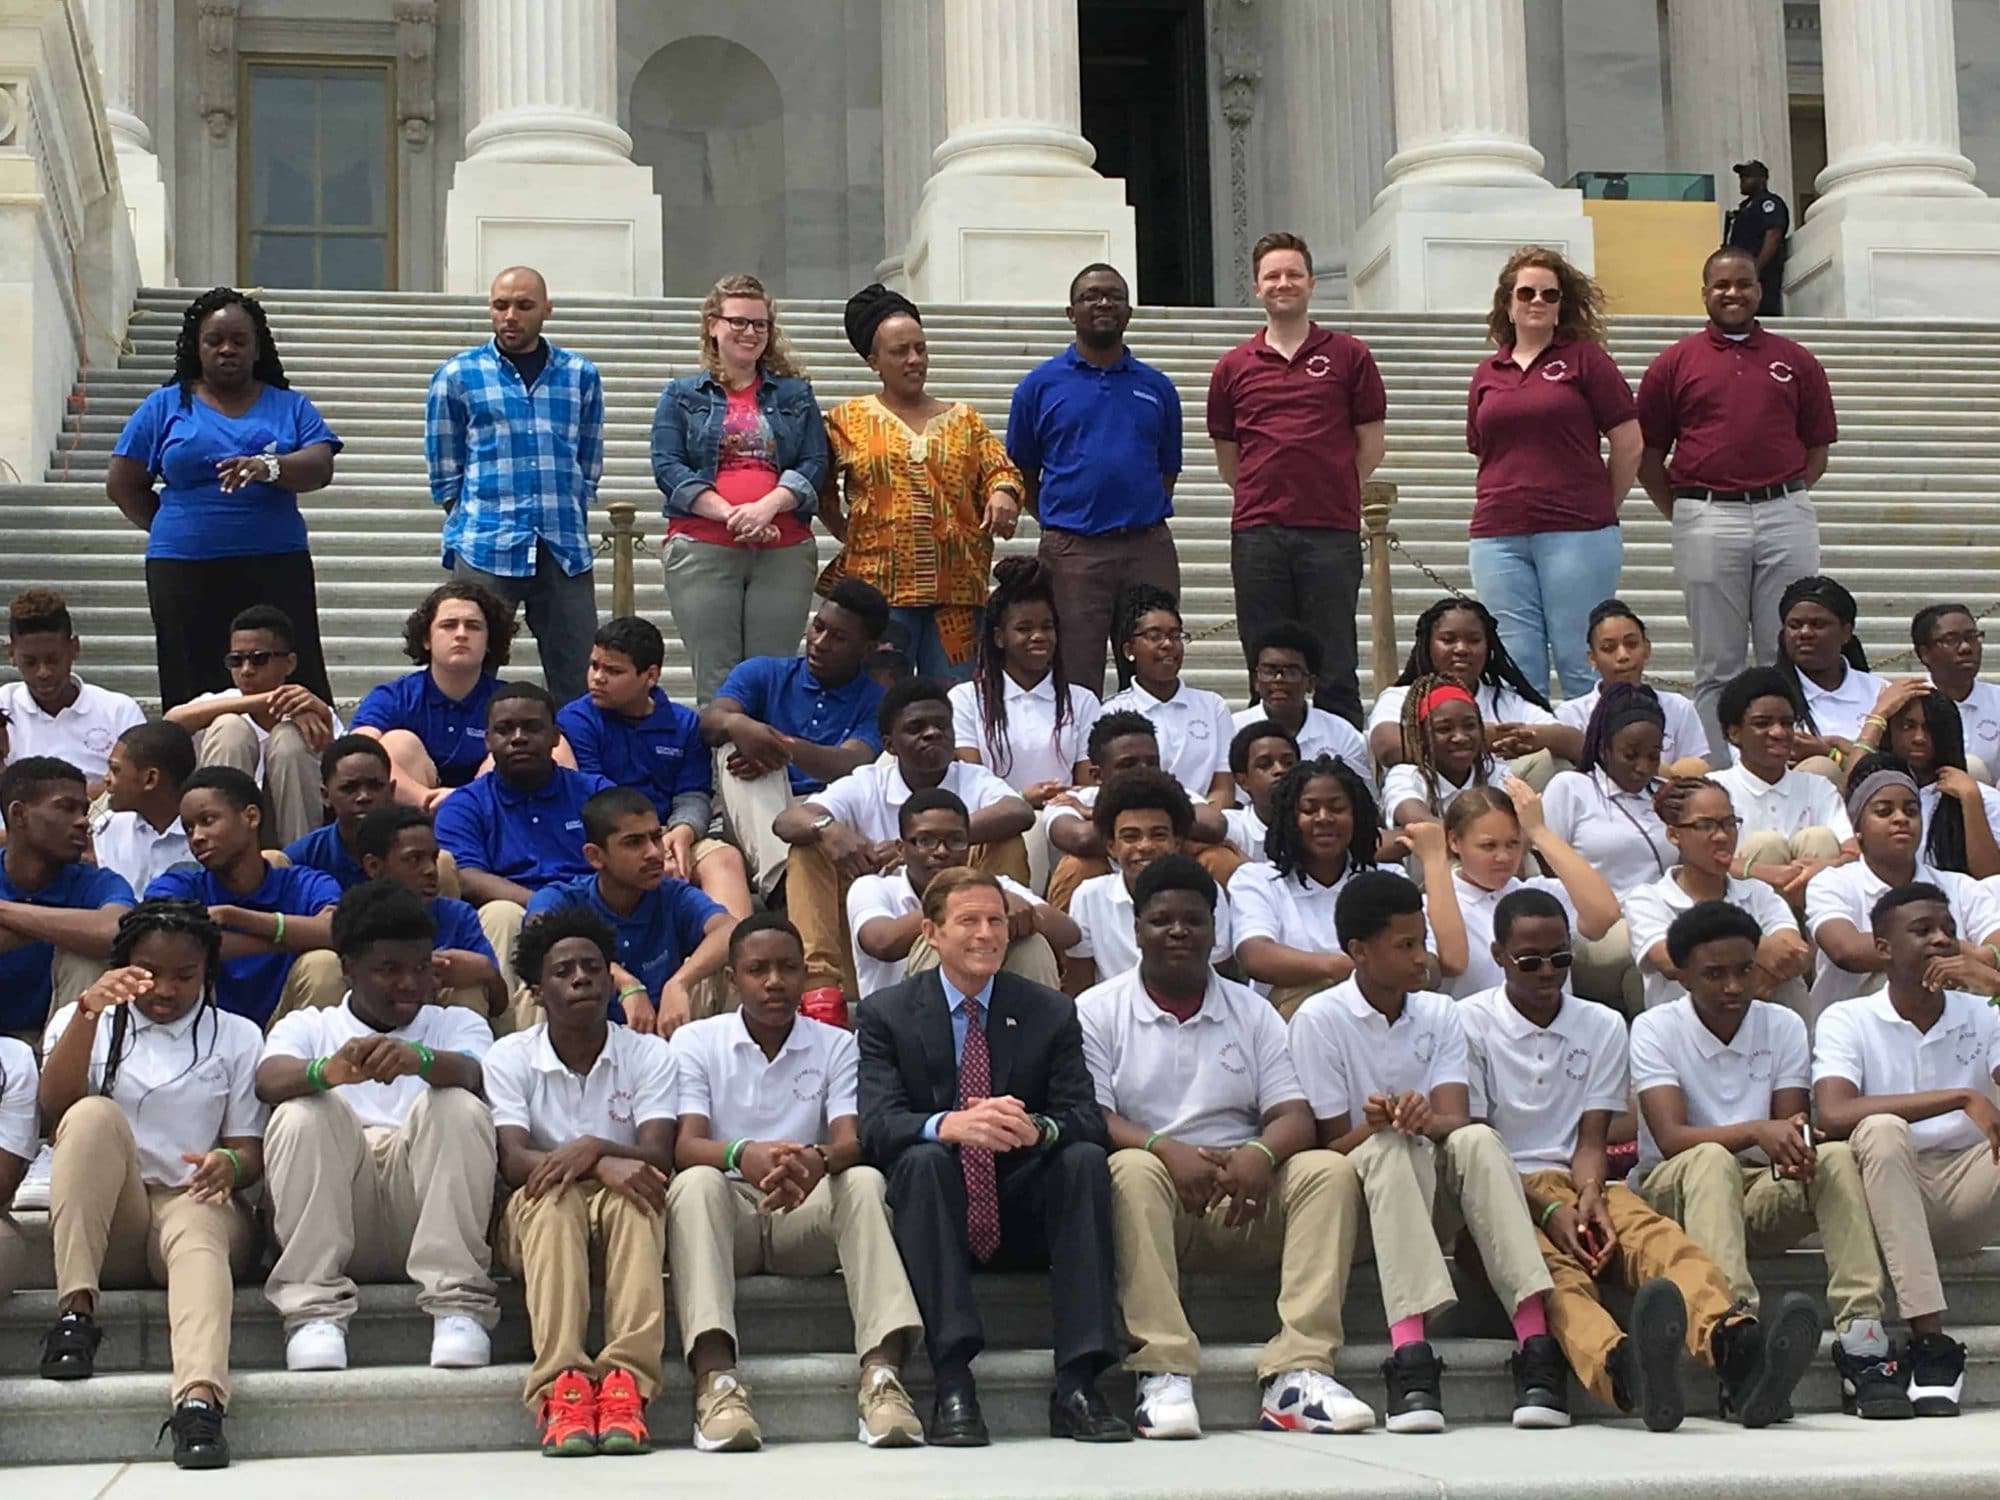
1444,692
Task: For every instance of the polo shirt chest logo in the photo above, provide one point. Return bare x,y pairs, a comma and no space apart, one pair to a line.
620,1106
1965,1044
1555,370
99,740
809,1084
1781,372
574,825
1576,1064
1232,1059
1424,1046
1761,1063
1318,366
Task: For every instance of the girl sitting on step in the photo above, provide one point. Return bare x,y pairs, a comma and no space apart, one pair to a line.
1193,725
1444,752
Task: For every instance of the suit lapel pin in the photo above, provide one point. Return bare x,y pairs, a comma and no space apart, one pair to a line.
1011,1021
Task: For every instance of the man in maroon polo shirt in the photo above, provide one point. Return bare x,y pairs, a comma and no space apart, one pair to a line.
1748,418
1296,414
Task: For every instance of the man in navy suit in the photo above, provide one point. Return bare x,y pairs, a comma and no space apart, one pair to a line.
976,1102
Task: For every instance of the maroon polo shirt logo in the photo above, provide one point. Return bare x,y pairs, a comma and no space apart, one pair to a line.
1319,367
1781,372
1555,369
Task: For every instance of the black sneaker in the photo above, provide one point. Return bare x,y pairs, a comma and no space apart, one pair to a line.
1760,1361
1937,1374
198,1439
1541,1383
1645,1367
1873,1386
69,1350
1413,1374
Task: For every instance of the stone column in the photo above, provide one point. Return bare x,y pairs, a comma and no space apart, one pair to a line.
1014,208
913,120
125,36
548,178
1339,131
1465,186
1728,99
1900,228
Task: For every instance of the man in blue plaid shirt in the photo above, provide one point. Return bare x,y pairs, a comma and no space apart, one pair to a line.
514,435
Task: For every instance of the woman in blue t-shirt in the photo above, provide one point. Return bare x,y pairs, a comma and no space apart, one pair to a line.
232,446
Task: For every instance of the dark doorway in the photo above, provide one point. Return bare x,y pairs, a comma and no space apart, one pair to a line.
1145,108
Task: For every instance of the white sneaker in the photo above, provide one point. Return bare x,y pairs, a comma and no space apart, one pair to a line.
318,1345
459,1343
1166,1408
1311,1401
33,1193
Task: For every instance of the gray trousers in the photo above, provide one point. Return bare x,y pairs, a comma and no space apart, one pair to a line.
732,603
562,616
1732,560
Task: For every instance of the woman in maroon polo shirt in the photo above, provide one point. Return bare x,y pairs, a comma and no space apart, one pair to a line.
1545,543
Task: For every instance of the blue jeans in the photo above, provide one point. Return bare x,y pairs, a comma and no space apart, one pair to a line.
923,648
1542,588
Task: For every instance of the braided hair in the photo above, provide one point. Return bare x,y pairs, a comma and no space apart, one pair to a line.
1016,581
1944,840
1500,670
188,919
1830,595
1671,797
1618,704
1135,602
187,344
1282,844
1417,740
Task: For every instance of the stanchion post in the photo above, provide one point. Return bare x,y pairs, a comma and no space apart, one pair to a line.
624,539
1378,497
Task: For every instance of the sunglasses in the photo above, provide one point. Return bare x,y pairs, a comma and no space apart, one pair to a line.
1531,963
1529,293
259,659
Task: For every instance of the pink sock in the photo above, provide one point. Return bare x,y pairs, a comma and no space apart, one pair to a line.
1406,1331
1531,1319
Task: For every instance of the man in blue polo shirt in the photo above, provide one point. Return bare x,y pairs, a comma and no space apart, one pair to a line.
57,914
672,940
396,843
277,921
354,780
1097,436
783,727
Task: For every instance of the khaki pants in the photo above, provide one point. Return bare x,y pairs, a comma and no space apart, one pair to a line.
1924,1204
1735,1211
1409,1219
715,1233
352,1204
291,777
314,982
1649,1245
749,808
70,974
1307,1234
558,1245
110,1228
1773,848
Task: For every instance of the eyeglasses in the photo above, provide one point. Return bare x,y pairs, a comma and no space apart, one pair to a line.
1531,963
747,325
1088,298
939,843
1162,637
1959,638
259,659
1546,293
1281,674
1707,826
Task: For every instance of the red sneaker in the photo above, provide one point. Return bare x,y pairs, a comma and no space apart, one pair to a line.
826,1004
621,1415
569,1417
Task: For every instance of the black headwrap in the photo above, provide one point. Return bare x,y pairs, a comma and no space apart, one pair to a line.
868,309
1618,704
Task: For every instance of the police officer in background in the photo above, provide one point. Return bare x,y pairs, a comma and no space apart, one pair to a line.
1759,225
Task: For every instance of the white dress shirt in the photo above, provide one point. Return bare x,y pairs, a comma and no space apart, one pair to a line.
1722,1083
724,1076
81,734
1345,1049
128,845
1796,800
1867,1043
1035,751
1685,736
1650,910
1193,729
1102,908
532,1089
871,797
1534,1084
306,1034
875,896
1618,832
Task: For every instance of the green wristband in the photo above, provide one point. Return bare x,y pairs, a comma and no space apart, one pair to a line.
1152,1138
1260,1146
235,1162
1548,1212
279,936
316,1075
426,1059
734,1154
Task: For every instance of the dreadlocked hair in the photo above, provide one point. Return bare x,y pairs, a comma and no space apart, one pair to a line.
1944,840
1016,581
187,344
1282,844
1500,670
1136,601
188,919
1830,595
1417,741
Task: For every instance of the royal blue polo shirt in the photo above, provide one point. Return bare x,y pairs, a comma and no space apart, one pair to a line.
322,850
781,691
458,927
1102,442
453,731
664,928
251,983
662,754
25,977
531,838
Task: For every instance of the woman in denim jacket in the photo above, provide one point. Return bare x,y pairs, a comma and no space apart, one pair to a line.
740,453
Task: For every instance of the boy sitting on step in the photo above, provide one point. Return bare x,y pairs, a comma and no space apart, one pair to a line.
396,843
140,836
354,774
52,711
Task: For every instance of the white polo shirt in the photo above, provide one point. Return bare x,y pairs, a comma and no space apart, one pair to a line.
1405,783
126,843
871,797
1322,733
1796,800
1246,832
1723,1083
1929,796
1685,736
530,1088
1850,892
1345,1049
890,896
20,1085
1476,905
1876,1050
81,734
1533,1085
1102,907
1207,1081
1650,910
1980,716
1617,831
306,1034
1193,728
1497,705
1035,751
184,1087
1839,711
724,1076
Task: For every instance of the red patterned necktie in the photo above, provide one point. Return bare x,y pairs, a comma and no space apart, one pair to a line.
982,1198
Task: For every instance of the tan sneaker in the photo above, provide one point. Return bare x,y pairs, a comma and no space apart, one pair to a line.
887,1418
723,1421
